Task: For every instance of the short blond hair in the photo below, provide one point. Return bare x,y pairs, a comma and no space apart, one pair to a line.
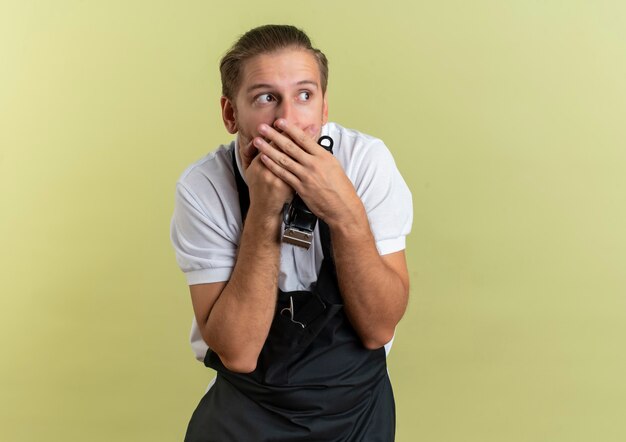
262,40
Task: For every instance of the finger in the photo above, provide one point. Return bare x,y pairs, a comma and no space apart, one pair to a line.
284,143
298,149
278,157
284,174
304,138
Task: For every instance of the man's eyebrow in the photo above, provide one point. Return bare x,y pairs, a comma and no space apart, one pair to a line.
307,82
256,86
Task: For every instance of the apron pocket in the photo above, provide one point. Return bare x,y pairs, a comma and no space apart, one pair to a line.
300,317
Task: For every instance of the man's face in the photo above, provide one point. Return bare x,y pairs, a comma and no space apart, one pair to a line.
283,84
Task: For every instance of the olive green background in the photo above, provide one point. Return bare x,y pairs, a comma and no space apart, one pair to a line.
505,117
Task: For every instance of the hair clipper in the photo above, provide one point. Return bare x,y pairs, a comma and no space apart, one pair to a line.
299,221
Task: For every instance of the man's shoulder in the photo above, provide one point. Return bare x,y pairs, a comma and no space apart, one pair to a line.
351,136
355,149
214,167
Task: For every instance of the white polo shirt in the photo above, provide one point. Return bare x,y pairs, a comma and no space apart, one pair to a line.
206,225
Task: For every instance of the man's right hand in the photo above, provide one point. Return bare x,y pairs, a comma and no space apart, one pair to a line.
268,193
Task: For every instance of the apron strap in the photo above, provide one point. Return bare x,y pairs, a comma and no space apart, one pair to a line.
327,247
242,190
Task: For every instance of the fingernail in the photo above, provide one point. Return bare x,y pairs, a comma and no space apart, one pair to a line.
263,128
281,123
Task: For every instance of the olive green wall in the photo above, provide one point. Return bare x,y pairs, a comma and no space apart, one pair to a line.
505,117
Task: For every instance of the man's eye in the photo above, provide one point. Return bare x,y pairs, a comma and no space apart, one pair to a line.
264,98
304,96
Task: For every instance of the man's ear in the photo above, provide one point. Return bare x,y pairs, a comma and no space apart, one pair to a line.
229,115
325,111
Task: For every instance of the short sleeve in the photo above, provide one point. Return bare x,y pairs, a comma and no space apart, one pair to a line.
385,195
204,233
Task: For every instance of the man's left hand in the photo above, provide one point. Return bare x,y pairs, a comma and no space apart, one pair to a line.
312,171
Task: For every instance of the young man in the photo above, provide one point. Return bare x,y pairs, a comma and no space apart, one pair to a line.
298,337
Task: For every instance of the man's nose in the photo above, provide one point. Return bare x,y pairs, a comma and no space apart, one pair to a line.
287,111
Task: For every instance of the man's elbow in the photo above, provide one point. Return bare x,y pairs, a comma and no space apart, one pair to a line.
235,360
239,365
377,340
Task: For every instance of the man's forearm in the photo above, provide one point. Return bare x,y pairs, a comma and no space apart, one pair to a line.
239,321
375,293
